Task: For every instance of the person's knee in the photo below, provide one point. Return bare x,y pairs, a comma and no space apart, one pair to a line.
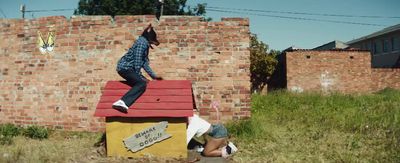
206,153
142,84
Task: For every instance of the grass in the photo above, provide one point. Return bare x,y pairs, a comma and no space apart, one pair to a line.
59,147
284,127
62,146
309,127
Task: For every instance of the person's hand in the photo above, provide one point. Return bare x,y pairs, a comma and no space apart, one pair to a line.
158,78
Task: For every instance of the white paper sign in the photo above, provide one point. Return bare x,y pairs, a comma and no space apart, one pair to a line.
147,137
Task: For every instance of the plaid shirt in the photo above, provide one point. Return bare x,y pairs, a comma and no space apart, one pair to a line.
137,58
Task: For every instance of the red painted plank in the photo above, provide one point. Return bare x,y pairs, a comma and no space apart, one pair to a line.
143,113
152,106
146,99
166,98
167,84
170,84
152,92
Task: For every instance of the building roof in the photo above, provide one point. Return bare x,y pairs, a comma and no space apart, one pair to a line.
338,50
336,44
292,48
165,98
375,34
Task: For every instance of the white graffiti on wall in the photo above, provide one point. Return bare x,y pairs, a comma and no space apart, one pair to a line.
327,80
296,89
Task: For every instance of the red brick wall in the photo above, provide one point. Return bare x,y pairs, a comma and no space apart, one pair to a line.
347,71
385,77
328,71
61,89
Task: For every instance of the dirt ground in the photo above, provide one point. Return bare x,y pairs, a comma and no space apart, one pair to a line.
193,157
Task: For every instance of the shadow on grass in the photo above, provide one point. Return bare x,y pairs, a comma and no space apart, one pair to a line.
101,144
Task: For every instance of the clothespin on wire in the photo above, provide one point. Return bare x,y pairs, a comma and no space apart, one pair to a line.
215,105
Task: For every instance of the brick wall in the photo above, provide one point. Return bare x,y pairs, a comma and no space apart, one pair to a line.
347,71
385,77
327,71
61,89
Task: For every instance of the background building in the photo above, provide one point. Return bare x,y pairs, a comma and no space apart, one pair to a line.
384,46
332,45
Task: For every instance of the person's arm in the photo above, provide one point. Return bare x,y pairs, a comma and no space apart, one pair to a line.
149,71
141,60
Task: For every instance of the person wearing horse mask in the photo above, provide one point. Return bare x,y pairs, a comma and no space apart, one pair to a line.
130,65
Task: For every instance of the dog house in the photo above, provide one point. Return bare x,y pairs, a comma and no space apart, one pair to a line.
154,125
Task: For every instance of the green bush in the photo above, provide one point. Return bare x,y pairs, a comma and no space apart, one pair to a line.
7,132
10,130
5,140
36,132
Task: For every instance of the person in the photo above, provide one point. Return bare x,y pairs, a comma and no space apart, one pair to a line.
216,145
130,65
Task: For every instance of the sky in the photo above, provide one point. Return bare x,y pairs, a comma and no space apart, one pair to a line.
279,23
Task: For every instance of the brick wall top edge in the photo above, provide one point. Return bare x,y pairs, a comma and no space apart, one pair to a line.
331,50
133,16
90,18
328,52
179,16
234,19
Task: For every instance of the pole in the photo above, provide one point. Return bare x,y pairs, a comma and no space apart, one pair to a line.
22,9
162,7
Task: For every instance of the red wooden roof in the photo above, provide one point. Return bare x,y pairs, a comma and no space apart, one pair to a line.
164,98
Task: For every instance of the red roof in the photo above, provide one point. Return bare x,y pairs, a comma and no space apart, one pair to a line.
165,98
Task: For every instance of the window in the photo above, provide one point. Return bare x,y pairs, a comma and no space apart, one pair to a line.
363,46
369,46
385,45
395,43
377,47
392,41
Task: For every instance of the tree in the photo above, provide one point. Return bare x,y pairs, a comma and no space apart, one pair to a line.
137,7
262,63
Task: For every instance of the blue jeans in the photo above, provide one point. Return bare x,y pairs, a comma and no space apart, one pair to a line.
218,131
137,83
